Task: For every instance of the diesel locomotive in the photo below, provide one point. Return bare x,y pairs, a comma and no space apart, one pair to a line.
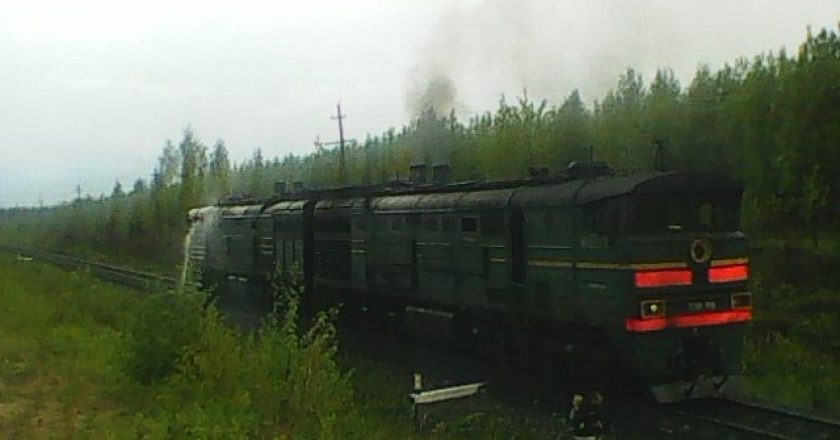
643,275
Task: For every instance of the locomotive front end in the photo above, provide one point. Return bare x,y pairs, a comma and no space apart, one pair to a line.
687,298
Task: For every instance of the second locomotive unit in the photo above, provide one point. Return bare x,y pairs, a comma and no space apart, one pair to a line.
580,273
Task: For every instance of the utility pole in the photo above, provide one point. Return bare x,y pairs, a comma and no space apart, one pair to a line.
79,192
342,176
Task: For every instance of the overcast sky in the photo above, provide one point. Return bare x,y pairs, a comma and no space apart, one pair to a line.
91,90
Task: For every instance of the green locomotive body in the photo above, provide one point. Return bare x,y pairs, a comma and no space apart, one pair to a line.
647,270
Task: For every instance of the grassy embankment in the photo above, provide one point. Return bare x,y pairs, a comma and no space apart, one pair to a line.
84,359
81,358
793,348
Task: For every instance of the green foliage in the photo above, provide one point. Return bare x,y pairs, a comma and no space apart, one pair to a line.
259,384
163,326
785,369
771,120
211,381
791,354
60,350
77,359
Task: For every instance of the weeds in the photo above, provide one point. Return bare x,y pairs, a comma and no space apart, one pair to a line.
785,369
89,360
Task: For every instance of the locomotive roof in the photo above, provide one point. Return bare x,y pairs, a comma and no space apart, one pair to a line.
201,212
558,194
495,195
487,199
241,211
288,205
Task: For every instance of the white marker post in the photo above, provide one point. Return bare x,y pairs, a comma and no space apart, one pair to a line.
420,398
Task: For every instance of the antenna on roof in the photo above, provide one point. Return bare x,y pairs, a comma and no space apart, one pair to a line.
659,163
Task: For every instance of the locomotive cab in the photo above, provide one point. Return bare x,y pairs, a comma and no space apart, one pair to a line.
685,298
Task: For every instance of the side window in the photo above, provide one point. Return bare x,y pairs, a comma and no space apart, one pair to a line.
611,218
548,219
705,216
518,261
492,224
332,224
602,218
590,218
396,224
413,221
469,224
430,224
726,215
448,224
228,240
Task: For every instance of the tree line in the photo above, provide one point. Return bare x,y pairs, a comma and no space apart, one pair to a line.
773,121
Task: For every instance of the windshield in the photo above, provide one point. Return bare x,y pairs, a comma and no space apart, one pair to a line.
674,212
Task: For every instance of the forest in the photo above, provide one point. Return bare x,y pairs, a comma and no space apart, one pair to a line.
772,120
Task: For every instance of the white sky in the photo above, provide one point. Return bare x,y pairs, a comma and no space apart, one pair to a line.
90,90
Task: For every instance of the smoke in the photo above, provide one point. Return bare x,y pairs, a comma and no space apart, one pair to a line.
486,49
431,92
549,47
204,226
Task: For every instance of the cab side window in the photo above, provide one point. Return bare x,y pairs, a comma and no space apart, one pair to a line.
469,224
448,223
602,218
492,224
396,223
430,224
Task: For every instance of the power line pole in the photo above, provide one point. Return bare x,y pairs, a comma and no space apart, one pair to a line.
79,192
318,144
342,176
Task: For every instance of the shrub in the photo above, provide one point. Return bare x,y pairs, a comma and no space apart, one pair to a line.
165,324
216,382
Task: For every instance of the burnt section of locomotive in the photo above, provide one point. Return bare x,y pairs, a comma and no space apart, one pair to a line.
575,273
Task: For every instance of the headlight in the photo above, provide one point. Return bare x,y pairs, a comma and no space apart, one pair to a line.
652,309
741,300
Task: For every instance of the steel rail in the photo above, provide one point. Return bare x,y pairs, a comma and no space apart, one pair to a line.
120,275
760,419
755,419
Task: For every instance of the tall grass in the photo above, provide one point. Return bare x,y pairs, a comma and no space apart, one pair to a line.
80,358
83,359
209,380
787,370
791,353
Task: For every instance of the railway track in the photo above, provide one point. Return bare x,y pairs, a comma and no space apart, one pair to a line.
127,277
758,420
722,418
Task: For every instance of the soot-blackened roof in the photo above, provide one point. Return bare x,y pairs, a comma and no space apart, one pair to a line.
518,194
586,191
288,205
442,202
